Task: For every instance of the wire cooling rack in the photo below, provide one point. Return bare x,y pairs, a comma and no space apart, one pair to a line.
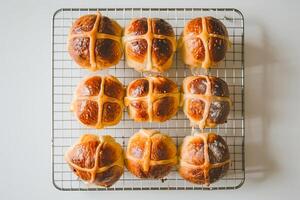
66,75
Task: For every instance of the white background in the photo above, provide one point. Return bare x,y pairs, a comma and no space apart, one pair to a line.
272,51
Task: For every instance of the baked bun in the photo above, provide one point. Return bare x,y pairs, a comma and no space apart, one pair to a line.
95,42
203,158
153,99
96,159
149,44
98,101
206,100
150,154
204,42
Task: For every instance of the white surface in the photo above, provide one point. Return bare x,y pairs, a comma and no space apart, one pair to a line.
272,90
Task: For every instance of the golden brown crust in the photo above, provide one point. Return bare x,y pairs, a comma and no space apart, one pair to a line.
161,148
138,27
95,42
161,27
203,158
83,24
162,50
98,101
108,177
152,99
150,154
149,44
163,85
217,49
113,88
206,100
137,49
79,50
139,88
139,110
164,108
215,26
195,108
204,42
197,85
108,154
87,112
110,112
109,26
83,154
91,87
107,52
197,48
98,160
195,25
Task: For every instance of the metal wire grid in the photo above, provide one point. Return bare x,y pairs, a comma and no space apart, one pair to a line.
66,75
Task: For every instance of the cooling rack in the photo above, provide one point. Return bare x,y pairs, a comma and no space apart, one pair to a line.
66,75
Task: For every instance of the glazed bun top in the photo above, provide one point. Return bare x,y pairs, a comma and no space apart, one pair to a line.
95,42
149,44
204,42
